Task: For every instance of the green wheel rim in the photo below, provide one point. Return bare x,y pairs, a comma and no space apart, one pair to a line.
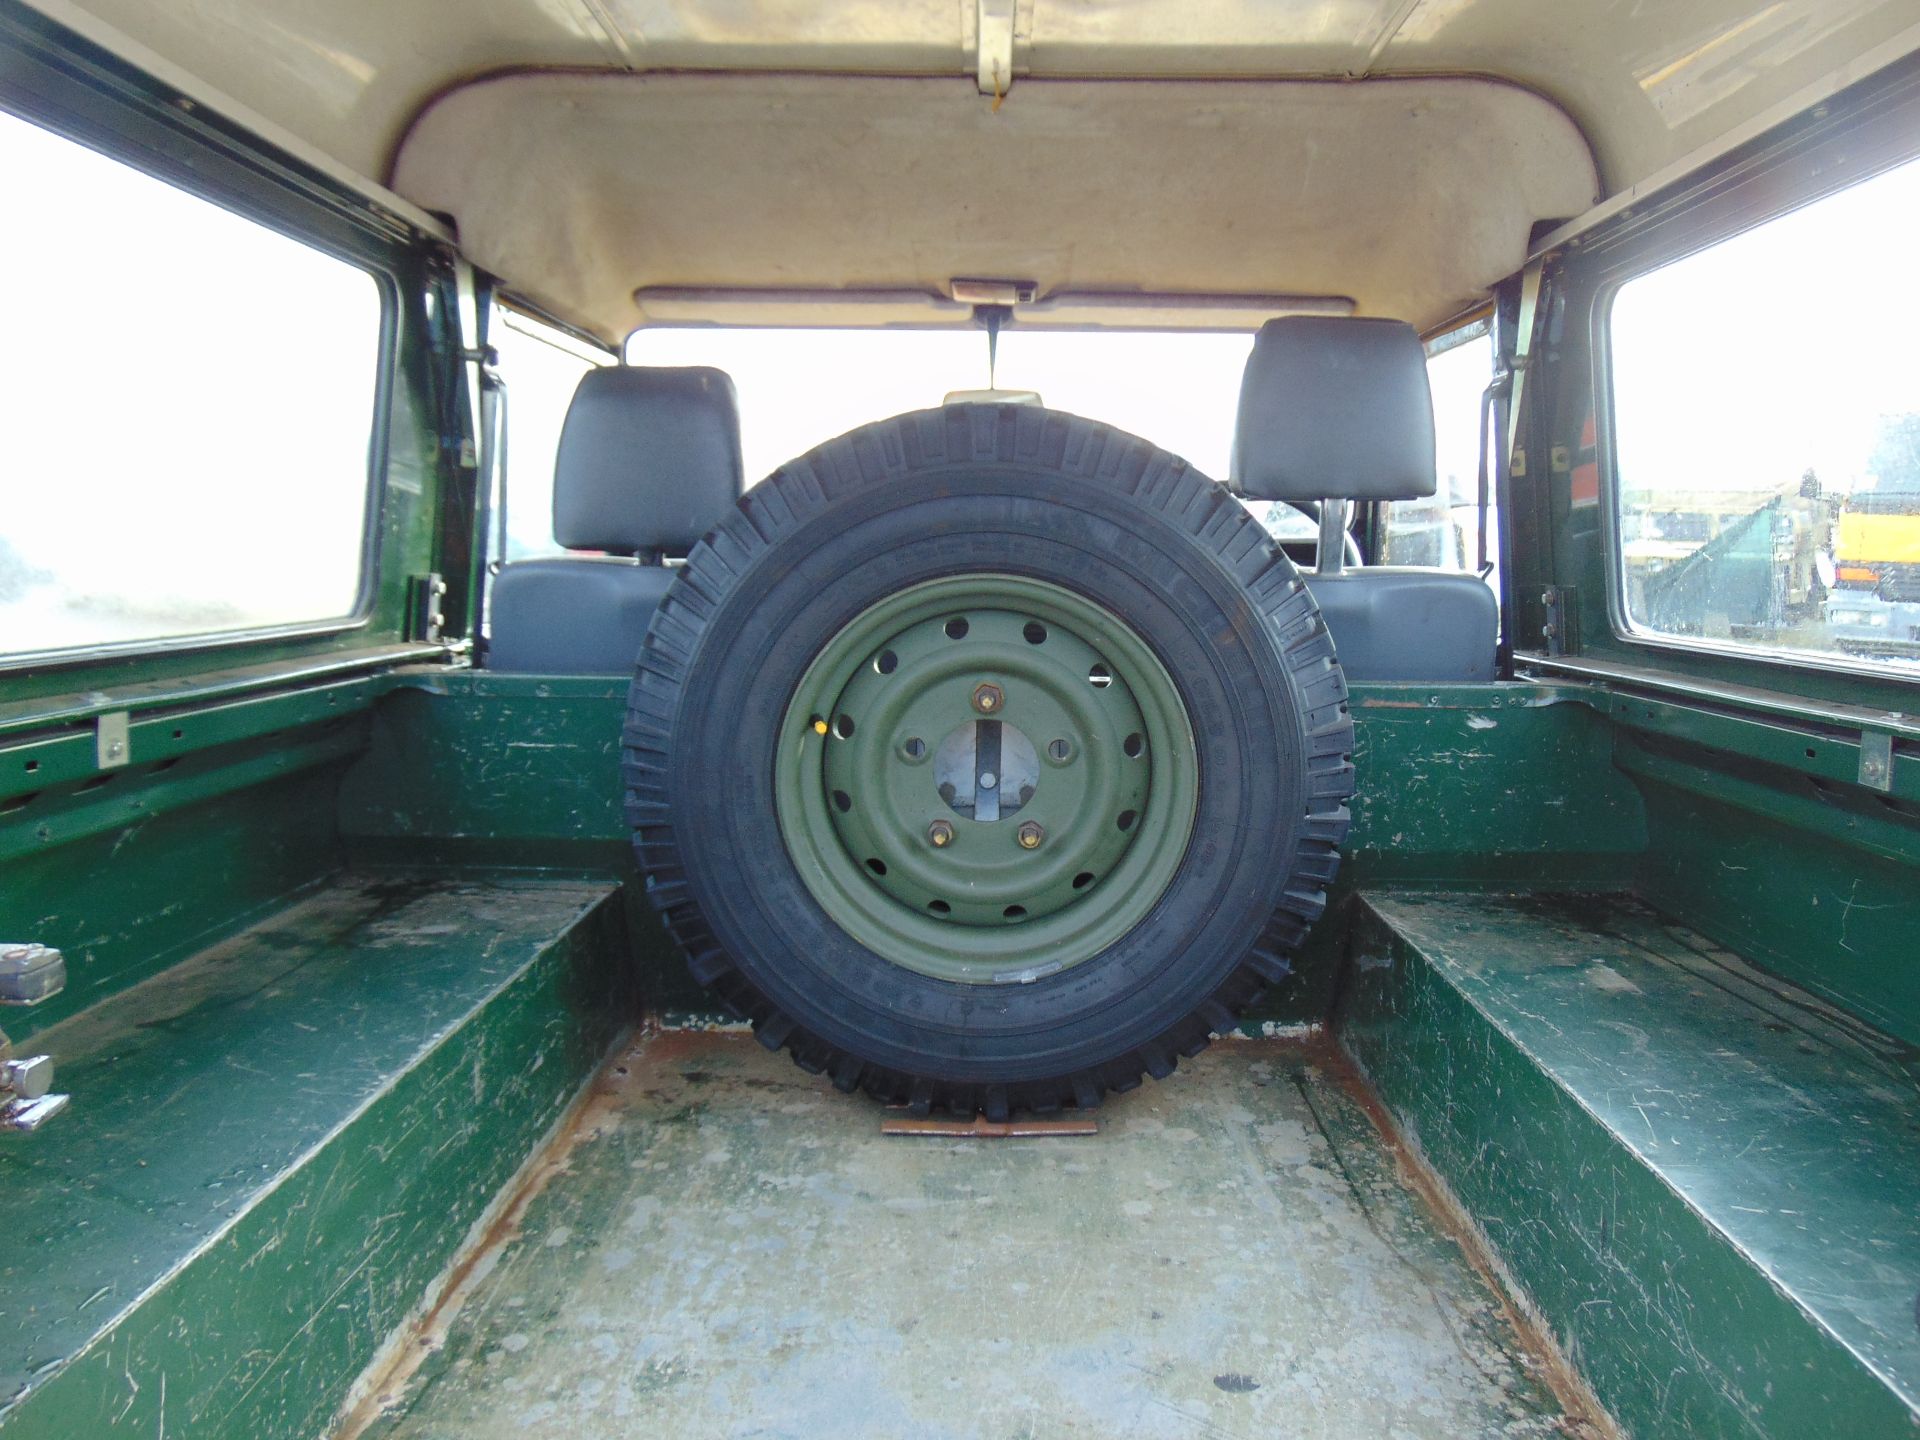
986,835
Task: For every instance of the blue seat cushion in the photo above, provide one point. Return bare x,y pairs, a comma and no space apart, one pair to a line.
1402,622
572,615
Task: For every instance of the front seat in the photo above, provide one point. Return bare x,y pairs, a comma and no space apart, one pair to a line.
1334,410
649,460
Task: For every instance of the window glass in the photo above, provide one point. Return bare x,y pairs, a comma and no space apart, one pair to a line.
800,387
189,401
1181,391
1766,432
1444,531
541,366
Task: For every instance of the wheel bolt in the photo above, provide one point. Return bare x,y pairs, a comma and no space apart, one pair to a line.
988,698
1030,835
940,834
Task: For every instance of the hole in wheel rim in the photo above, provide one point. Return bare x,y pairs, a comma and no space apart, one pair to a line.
885,662
843,727
1134,746
1035,632
1126,819
1099,676
957,627
843,801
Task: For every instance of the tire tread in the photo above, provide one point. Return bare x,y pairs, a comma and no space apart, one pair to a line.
872,455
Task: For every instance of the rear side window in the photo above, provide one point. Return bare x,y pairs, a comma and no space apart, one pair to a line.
189,403
1766,435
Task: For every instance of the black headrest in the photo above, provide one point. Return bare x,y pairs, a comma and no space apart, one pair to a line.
649,459
1334,408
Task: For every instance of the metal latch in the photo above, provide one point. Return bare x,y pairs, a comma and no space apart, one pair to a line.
25,1104
30,973
998,26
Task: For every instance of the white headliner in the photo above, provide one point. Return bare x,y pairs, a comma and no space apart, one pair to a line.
1651,83
1409,196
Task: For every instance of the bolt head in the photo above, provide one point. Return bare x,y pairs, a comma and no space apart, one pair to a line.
988,698
1030,835
940,834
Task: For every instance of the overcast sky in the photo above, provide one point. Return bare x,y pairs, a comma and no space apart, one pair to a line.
188,398
798,388
1780,351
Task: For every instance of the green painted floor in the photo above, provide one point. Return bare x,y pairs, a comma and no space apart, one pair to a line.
732,1249
1707,1179
272,1147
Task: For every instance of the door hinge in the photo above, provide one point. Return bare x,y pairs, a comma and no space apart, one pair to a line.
1558,628
426,599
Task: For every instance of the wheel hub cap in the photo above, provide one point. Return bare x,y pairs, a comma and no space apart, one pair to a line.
1005,774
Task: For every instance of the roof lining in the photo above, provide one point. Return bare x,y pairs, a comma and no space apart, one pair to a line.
1861,67
117,42
1447,155
490,74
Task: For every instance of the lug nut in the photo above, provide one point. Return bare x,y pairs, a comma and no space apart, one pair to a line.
1030,835
988,698
940,834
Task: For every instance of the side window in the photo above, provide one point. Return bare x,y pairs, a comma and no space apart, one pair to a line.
1766,434
190,406
1444,531
541,365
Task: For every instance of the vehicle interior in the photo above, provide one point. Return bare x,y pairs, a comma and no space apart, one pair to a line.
409,404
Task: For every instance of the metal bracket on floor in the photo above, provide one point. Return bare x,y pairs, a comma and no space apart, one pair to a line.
30,972
981,1128
25,1104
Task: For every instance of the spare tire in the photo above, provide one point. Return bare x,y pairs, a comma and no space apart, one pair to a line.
988,757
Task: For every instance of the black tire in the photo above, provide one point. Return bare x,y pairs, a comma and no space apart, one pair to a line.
1016,490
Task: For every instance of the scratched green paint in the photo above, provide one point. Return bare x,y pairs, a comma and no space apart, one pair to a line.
1462,787
1458,785
291,1149
1702,1179
1821,884
124,902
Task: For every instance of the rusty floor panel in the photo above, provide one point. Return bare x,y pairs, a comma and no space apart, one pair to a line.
730,1248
